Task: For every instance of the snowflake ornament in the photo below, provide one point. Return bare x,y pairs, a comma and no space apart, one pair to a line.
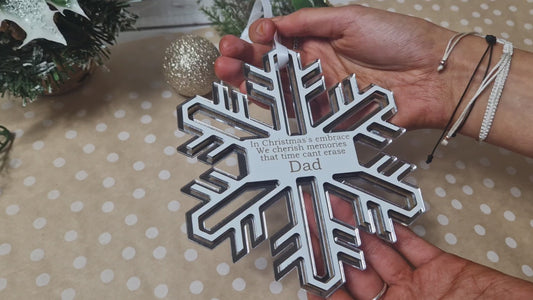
311,163
36,18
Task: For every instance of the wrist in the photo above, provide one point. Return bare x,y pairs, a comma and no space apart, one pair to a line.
513,112
464,82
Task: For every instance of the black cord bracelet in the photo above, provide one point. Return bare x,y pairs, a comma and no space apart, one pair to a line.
491,41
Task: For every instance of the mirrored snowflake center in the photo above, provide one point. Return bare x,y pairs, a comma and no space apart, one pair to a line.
301,155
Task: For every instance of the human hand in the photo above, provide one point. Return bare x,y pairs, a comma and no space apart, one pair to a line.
415,269
410,268
394,51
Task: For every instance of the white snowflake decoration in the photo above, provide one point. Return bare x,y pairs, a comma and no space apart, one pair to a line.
36,18
283,159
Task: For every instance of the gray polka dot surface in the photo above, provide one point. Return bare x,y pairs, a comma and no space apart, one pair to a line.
90,206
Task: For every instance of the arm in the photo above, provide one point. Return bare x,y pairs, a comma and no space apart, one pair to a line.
399,53
515,109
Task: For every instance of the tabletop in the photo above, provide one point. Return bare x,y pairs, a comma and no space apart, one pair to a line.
168,13
90,201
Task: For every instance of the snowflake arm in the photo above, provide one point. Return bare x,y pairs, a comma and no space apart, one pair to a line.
307,83
216,191
209,120
366,111
264,85
293,245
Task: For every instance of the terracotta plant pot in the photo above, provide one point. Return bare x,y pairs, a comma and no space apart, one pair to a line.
76,77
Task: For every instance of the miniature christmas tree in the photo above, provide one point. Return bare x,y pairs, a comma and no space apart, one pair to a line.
42,42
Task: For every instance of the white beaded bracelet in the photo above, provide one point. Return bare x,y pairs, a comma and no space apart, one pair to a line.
495,94
498,75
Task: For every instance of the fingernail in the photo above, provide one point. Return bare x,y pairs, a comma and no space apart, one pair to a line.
260,30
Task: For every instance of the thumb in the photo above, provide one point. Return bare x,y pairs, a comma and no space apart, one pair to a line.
262,31
324,22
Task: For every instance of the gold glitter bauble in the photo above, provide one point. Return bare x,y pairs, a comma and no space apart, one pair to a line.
188,65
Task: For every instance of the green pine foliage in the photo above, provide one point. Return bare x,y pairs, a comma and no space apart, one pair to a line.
33,69
231,16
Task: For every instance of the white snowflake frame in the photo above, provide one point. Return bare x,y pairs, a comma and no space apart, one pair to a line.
303,160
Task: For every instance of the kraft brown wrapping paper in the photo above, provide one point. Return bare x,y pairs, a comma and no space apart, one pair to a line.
90,201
